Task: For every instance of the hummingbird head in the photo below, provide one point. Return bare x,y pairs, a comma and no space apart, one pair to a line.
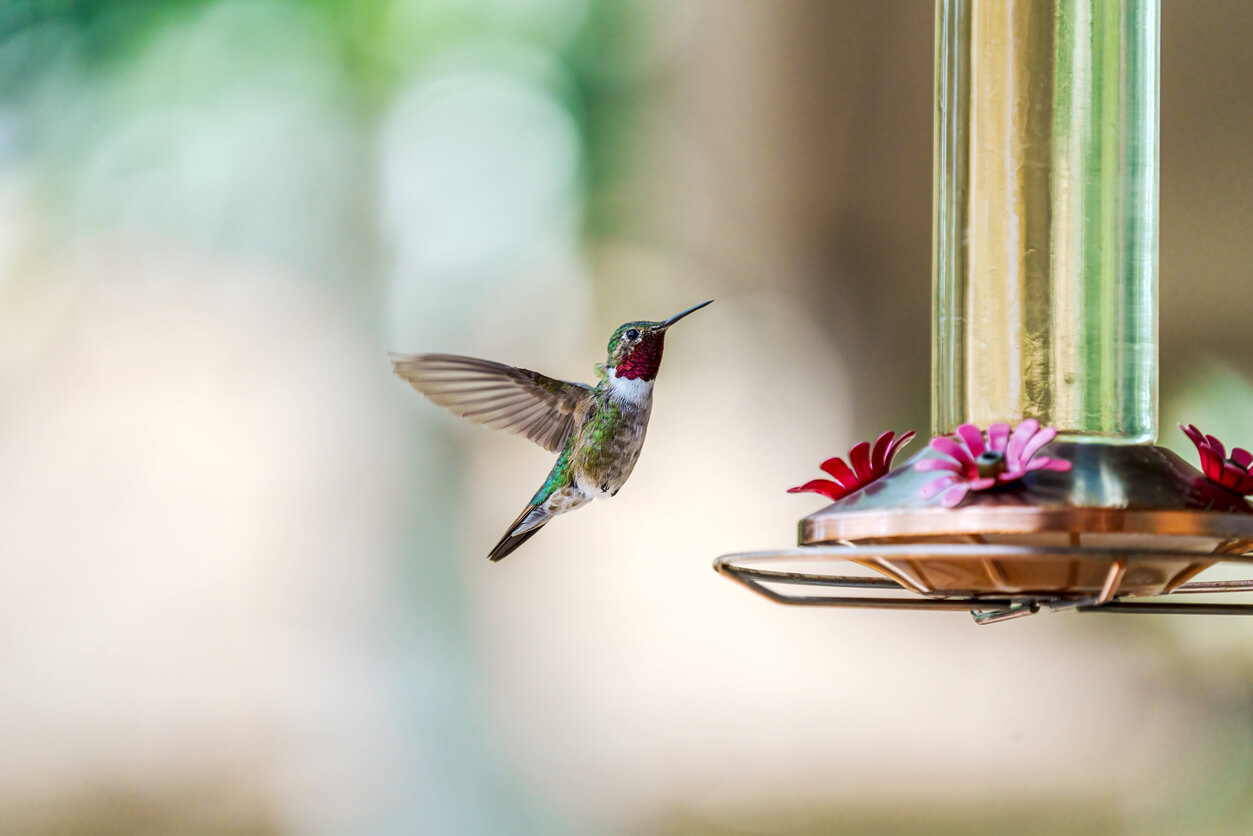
635,348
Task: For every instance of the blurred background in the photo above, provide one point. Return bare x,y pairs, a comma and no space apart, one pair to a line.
242,575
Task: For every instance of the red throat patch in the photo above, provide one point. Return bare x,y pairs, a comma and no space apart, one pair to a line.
644,360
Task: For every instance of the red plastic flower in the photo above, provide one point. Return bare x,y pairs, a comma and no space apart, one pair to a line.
867,466
1233,474
970,464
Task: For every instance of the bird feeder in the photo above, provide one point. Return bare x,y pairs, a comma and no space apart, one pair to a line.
1044,316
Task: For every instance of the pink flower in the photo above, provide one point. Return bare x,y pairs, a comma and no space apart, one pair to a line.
868,465
1233,474
970,464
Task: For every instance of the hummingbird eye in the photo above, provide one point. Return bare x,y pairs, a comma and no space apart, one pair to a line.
633,334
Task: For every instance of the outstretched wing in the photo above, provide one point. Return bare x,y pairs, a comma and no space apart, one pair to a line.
528,403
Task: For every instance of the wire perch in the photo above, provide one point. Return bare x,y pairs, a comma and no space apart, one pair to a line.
776,584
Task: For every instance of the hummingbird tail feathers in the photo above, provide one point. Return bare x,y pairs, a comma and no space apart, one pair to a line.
526,526
510,542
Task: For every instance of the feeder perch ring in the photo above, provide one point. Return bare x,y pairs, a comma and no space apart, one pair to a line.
905,567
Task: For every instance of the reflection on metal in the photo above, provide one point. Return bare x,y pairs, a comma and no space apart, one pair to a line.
1045,306
1111,489
1045,217
1126,524
986,608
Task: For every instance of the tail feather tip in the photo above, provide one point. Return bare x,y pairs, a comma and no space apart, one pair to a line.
511,542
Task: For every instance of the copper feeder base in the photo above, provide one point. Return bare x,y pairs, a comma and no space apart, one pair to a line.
1128,521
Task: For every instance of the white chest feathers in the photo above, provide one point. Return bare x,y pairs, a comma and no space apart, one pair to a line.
636,391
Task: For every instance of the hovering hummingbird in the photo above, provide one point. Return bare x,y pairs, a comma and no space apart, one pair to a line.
599,430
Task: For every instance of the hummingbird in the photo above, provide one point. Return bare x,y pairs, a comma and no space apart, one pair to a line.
597,430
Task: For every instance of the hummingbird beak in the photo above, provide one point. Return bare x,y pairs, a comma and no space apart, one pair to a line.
679,316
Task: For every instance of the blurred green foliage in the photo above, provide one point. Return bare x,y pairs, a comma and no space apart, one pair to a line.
379,44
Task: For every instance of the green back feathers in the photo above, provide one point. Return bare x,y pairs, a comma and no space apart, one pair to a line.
558,477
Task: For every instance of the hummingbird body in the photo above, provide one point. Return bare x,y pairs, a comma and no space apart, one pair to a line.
598,430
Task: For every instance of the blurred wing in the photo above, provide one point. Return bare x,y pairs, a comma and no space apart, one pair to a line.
528,403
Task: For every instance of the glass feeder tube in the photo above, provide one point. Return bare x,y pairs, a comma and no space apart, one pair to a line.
1045,235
